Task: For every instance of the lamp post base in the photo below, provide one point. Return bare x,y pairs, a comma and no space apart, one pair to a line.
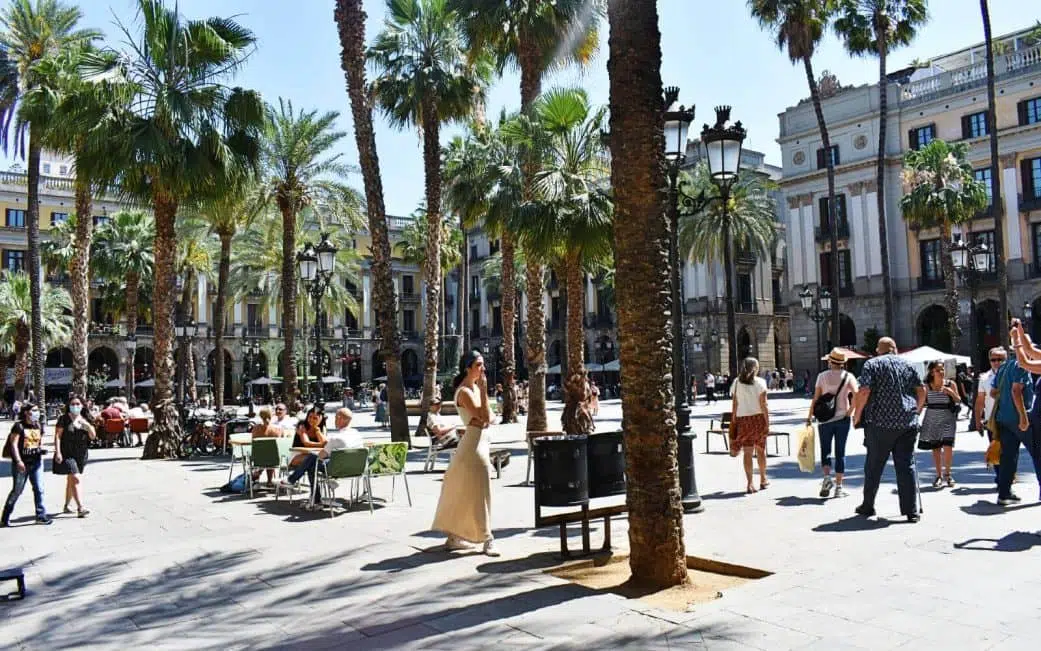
682,418
689,496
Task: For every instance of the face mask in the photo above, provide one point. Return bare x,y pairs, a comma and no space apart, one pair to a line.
34,416
75,410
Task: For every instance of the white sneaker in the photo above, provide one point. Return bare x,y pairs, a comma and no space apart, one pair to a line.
840,491
826,487
489,548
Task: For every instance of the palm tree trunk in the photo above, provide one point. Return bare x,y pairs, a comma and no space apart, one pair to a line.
509,304
133,281
189,349
79,282
166,432
565,364
834,217
22,339
350,22
997,208
218,320
462,290
288,211
32,227
641,235
531,68
432,260
950,284
3,376
880,175
576,300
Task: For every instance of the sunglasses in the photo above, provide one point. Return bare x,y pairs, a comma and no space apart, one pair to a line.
997,359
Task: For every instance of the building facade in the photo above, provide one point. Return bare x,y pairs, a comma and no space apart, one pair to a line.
947,100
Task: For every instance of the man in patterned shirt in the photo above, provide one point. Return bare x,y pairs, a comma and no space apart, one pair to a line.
887,405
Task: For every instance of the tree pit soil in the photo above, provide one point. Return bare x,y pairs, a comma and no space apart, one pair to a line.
708,580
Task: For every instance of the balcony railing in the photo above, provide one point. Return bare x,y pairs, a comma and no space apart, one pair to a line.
410,297
823,232
926,284
145,329
1005,65
1026,204
747,307
410,335
745,258
780,308
256,330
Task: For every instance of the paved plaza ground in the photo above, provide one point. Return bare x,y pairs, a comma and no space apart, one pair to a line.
165,560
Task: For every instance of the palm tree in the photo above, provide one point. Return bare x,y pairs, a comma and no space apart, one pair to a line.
568,222
188,134
350,23
798,27
124,255
641,235
940,191
709,234
31,32
300,171
422,79
16,320
997,206
875,27
196,258
534,37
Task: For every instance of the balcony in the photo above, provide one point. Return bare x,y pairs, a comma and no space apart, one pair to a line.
1016,63
746,307
745,259
928,284
411,335
255,330
1027,204
780,308
823,232
409,298
145,329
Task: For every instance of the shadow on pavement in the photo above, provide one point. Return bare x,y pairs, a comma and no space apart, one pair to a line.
854,523
794,500
1017,541
984,507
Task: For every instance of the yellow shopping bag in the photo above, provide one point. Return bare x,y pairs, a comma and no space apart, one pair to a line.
806,444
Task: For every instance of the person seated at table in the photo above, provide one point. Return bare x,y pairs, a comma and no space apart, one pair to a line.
442,433
112,411
308,435
283,419
344,436
139,411
265,429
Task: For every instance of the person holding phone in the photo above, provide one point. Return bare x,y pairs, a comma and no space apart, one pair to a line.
24,446
73,434
465,507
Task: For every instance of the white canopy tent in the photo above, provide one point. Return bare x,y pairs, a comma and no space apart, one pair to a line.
921,356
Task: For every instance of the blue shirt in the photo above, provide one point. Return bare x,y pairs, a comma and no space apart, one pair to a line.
1010,374
894,383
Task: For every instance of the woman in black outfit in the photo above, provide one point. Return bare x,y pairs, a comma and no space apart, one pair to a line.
24,445
73,435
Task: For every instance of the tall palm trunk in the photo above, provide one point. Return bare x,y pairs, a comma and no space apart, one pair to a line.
535,282
462,308
508,249
432,260
22,338
223,270
350,22
133,281
881,33
641,235
834,216
79,281
576,300
166,432
32,227
3,376
565,362
288,210
997,208
950,283
188,351
728,284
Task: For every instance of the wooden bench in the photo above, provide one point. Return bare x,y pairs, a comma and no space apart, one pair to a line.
584,516
14,574
723,430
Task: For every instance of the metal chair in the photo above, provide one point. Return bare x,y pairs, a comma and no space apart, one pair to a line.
436,449
263,455
723,430
351,463
388,459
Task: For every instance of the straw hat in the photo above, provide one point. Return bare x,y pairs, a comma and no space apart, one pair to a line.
837,356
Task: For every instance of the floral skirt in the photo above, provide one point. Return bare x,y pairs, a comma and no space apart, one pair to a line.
748,432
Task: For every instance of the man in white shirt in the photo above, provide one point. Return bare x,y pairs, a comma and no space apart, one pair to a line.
984,402
344,436
441,433
710,387
283,420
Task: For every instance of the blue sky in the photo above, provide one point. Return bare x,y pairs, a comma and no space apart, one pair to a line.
712,50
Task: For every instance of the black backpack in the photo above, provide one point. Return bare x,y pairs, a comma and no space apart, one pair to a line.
825,407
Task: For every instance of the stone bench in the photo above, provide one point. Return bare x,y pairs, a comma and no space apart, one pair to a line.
14,574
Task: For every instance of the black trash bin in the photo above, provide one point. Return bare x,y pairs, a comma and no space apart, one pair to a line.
561,471
606,460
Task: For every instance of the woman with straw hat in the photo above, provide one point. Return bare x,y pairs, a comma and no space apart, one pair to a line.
832,406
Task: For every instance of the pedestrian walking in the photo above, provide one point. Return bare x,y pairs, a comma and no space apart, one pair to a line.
984,404
24,446
832,406
887,406
942,404
1015,386
73,435
751,420
710,387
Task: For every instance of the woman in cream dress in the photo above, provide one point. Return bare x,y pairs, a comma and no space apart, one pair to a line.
465,506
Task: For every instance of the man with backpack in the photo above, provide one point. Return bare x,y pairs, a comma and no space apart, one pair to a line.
832,406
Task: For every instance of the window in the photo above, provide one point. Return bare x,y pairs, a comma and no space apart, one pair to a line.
253,318
15,218
46,168
825,213
408,285
408,321
1036,238
775,290
349,320
63,170
845,272
921,136
974,125
59,218
555,312
821,163
475,288
354,243
493,247
473,251
14,260
100,220
983,237
930,251
1031,179
745,299
475,323
496,320
984,176
1029,111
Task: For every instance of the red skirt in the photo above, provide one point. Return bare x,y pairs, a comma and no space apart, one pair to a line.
748,432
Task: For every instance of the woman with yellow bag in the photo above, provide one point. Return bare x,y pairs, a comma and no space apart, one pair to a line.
832,406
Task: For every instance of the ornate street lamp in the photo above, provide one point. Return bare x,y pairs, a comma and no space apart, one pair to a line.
723,142
817,307
972,262
317,265
678,119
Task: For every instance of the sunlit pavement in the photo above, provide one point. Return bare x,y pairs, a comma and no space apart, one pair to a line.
165,560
